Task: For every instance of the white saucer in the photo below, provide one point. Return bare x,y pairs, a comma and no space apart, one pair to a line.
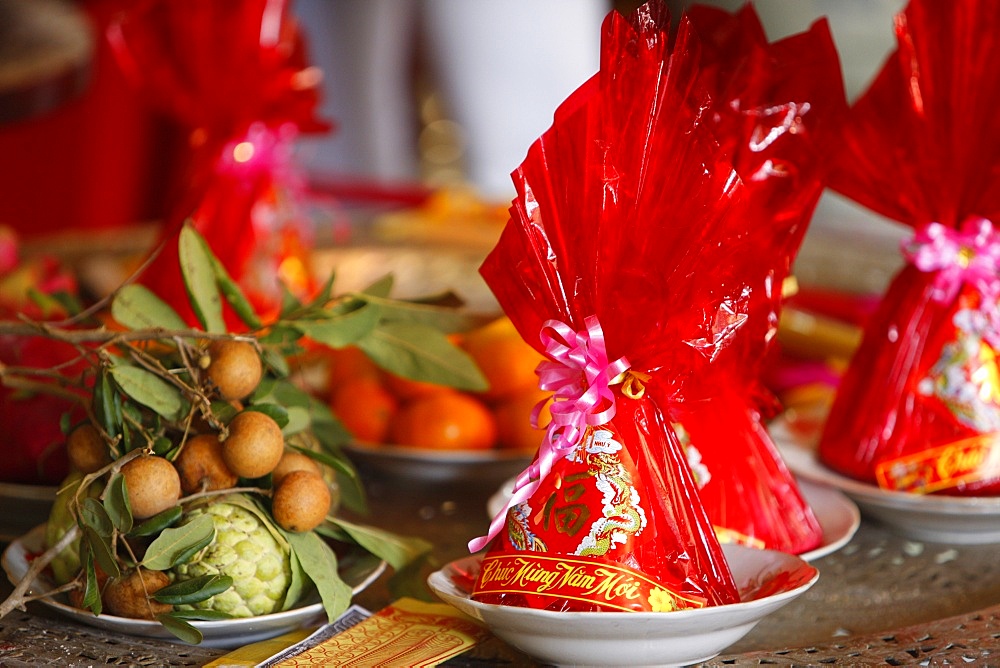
957,520
680,637
224,634
838,516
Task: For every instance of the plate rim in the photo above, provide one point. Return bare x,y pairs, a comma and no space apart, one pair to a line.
801,458
430,455
288,619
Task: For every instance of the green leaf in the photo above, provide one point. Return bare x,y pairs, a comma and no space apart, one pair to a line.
275,361
150,390
93,515
320,563
293,401
276,412
107,405
180,628
341,330
162,445
101,548
199,279
298,420
442,318
298,584
195,590
91,590
158,522
175,546
231,291
325,292
289,302
331,435
398,551
420,352
279,334
137,307
66,423
380,288
117,506
224,411
411,581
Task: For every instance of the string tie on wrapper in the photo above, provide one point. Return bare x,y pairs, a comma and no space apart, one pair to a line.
580,378
968,255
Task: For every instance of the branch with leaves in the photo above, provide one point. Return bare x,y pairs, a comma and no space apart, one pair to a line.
147,394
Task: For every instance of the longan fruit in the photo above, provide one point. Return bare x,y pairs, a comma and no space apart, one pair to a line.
254,445
153,485
294,461
301,502
201,466
234,368
131,595
86,449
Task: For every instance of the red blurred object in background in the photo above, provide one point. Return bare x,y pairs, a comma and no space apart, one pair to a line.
31,441
96,161
233,73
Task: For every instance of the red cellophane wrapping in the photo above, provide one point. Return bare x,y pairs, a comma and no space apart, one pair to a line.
778,107
234,74
629,235
918,409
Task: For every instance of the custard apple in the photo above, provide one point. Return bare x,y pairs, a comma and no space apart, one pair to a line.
246,550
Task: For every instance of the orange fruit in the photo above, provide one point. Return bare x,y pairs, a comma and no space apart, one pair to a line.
407,389
446,420
513,416
506,360
344,364
365,407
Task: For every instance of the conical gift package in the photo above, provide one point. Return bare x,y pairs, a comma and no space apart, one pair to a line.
624,262
777,109
918,409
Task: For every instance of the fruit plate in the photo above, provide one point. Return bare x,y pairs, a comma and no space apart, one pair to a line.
838,516
357,568
955,520
438,466
767,580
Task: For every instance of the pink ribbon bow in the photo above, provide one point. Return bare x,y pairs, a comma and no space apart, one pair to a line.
579,377
969,255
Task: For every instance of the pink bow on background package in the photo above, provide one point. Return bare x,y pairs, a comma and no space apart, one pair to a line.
626,263
919,407
234,74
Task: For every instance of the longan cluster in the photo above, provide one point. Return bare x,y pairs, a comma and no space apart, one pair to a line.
250,447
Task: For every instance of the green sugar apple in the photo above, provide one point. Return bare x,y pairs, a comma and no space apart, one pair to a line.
246,550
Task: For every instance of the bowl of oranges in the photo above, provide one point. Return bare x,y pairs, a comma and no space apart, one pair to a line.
422,430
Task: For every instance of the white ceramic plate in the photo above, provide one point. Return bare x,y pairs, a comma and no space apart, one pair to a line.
480,466
933,518
636,638
838,516
358,570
